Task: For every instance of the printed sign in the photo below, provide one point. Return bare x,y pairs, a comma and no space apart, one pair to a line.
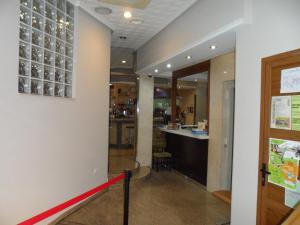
290,80
284,158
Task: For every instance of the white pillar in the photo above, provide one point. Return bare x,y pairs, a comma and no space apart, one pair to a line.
145,121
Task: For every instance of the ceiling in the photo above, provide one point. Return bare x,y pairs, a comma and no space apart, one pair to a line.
199,52
156,15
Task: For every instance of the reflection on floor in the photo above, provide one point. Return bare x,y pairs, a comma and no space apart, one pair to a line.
121,159
163,199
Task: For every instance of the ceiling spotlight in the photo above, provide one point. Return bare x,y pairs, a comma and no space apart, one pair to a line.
213,47
169,65
188,57
136,21
103,10
156,70
123,61
127,14
225,72
196,80
137,78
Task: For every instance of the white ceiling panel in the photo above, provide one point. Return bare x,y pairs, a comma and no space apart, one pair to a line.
155,16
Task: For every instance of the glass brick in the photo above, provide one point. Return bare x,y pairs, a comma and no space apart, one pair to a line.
24,68
38,6
48,88
23,85
36,70
49,42
37,22
59,76
49,58
48,73
37,38
36,87
59,90
36,54
25,15
68,91
24,33
24,50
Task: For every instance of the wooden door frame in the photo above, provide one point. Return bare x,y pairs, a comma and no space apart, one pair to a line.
267,64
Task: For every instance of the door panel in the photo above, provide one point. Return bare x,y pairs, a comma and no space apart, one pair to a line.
271,209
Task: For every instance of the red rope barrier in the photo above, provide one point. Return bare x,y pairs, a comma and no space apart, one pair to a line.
71,202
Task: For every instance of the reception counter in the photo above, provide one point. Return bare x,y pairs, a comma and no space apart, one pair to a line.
189,153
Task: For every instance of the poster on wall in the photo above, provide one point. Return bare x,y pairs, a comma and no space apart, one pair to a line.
281,112
296,112
290,80
284,158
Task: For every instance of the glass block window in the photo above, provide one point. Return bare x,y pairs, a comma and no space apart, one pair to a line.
46,48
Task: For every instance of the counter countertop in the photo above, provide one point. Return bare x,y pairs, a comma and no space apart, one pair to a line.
186,133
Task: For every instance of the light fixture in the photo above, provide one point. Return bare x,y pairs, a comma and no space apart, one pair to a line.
225,72
110,84
188,57
156,70
103,10
137,78
169,65
136,21
196,80
213,47
123,61
127,14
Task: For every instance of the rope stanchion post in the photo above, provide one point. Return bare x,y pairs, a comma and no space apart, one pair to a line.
128,175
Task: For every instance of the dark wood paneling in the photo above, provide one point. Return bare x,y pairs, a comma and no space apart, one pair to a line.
189,156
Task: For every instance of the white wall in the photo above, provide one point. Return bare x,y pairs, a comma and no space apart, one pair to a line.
216,138
50,146
145,121
275,29
203,21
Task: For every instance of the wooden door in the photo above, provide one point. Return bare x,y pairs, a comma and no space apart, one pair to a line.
271,209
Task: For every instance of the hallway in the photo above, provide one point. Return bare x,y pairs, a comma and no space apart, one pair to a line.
164,198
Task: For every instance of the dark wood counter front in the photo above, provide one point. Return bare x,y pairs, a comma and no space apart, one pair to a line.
189,156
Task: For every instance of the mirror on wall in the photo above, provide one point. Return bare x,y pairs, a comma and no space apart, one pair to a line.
192,98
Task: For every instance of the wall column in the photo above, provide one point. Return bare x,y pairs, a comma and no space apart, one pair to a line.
145,121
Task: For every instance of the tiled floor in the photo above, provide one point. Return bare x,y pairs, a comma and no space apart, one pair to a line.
121,159
164,199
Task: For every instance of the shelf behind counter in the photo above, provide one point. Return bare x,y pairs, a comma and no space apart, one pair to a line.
189,153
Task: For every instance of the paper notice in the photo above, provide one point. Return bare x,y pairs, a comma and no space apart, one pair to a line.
292,198
296,112
290,80
281,112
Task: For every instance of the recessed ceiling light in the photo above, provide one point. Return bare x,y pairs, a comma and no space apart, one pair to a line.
136,21
213,47
124,61
196,80
156,70
127,14
103,10
188,57
225,72
169,65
